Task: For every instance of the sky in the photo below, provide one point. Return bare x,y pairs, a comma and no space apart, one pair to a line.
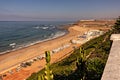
58,10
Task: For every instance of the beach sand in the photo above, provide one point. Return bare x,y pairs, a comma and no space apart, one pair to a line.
12,59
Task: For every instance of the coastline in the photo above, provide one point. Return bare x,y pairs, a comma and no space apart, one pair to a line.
13,59
12,37
14,51
33,43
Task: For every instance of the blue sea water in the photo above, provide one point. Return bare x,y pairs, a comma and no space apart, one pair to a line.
16,34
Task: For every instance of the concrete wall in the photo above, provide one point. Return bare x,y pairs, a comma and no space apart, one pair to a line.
112,68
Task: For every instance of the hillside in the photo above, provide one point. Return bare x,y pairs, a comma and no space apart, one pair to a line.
97,51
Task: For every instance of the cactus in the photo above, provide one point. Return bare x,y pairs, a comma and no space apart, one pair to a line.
48,72
47,56
41,77
81,63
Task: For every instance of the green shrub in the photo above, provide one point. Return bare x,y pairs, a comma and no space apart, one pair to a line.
66,69
95,67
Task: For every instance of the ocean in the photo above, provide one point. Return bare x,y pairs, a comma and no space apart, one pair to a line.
18,34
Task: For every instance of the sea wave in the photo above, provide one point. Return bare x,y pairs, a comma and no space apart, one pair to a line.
44,27
39,27
17,47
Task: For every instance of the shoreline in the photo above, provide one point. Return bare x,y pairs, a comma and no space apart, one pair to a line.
25,47
30,52
33,43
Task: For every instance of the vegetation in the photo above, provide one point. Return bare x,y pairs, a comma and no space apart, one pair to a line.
81,64
48,73
85,63
116,27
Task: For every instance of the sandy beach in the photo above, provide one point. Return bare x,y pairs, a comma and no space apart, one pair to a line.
12,59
